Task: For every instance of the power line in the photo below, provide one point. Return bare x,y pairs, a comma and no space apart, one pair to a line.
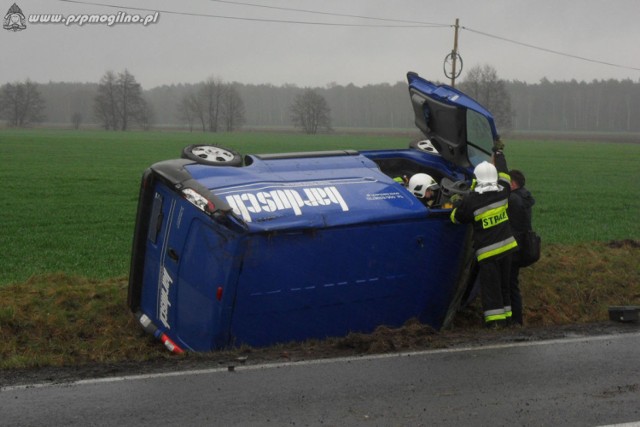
317,12
429,24
242,18
544,49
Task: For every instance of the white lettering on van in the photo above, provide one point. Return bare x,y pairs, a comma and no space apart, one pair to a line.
163,309
248,204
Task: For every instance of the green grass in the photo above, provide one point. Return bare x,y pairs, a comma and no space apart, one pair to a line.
585,191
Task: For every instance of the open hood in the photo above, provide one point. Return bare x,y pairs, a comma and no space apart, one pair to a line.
462,130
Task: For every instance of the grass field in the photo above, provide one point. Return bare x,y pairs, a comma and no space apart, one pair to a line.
69,197
69,202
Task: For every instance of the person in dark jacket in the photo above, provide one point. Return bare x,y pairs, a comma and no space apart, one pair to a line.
486,208
519,211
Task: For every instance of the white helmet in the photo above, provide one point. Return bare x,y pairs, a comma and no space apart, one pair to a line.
486,174
420,183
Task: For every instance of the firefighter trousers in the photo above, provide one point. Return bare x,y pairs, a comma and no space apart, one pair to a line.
494,275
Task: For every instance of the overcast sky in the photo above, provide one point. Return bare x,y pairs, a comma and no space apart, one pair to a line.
317,45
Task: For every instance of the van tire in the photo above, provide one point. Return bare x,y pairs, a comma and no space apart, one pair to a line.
212,155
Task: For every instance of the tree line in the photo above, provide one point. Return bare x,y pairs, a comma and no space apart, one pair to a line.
118,101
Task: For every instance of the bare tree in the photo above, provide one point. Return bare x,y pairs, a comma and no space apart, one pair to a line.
193,105
210,97
145,115
185,112
119,102
106,104
76,119
131,101
21,104
213,104
310,112
482,83
232,108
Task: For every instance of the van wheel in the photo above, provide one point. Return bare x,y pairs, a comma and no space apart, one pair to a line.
212,155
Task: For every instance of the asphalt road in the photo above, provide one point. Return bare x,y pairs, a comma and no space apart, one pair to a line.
589,381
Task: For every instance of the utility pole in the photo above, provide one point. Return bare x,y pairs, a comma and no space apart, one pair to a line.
454,55
451,69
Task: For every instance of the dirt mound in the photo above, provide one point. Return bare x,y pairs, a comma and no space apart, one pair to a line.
384,339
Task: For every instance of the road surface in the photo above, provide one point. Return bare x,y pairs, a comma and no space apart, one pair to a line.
585,381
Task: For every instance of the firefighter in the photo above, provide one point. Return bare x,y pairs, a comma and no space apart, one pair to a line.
520,202
425,188
486,208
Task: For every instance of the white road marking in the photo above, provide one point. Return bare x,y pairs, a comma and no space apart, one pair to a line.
275,365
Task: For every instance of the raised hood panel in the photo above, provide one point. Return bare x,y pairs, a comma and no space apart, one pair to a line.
460,129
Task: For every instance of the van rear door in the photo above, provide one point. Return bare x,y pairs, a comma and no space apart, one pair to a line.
189,264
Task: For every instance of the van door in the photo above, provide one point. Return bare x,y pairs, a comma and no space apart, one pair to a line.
207,275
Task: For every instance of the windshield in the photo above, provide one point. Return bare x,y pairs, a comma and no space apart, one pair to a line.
479,137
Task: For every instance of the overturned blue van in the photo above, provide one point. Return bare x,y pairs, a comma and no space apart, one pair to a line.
264,249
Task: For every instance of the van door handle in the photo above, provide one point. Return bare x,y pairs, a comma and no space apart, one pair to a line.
173,255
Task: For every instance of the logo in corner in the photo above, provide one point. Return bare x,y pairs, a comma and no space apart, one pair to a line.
14,20
164,303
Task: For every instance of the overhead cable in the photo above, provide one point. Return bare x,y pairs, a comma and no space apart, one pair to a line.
243,18
317,12
544,49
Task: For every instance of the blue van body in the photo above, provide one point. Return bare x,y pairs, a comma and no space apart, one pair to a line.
294,246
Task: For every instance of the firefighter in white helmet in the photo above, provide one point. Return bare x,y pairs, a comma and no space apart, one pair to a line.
486,208
425,188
